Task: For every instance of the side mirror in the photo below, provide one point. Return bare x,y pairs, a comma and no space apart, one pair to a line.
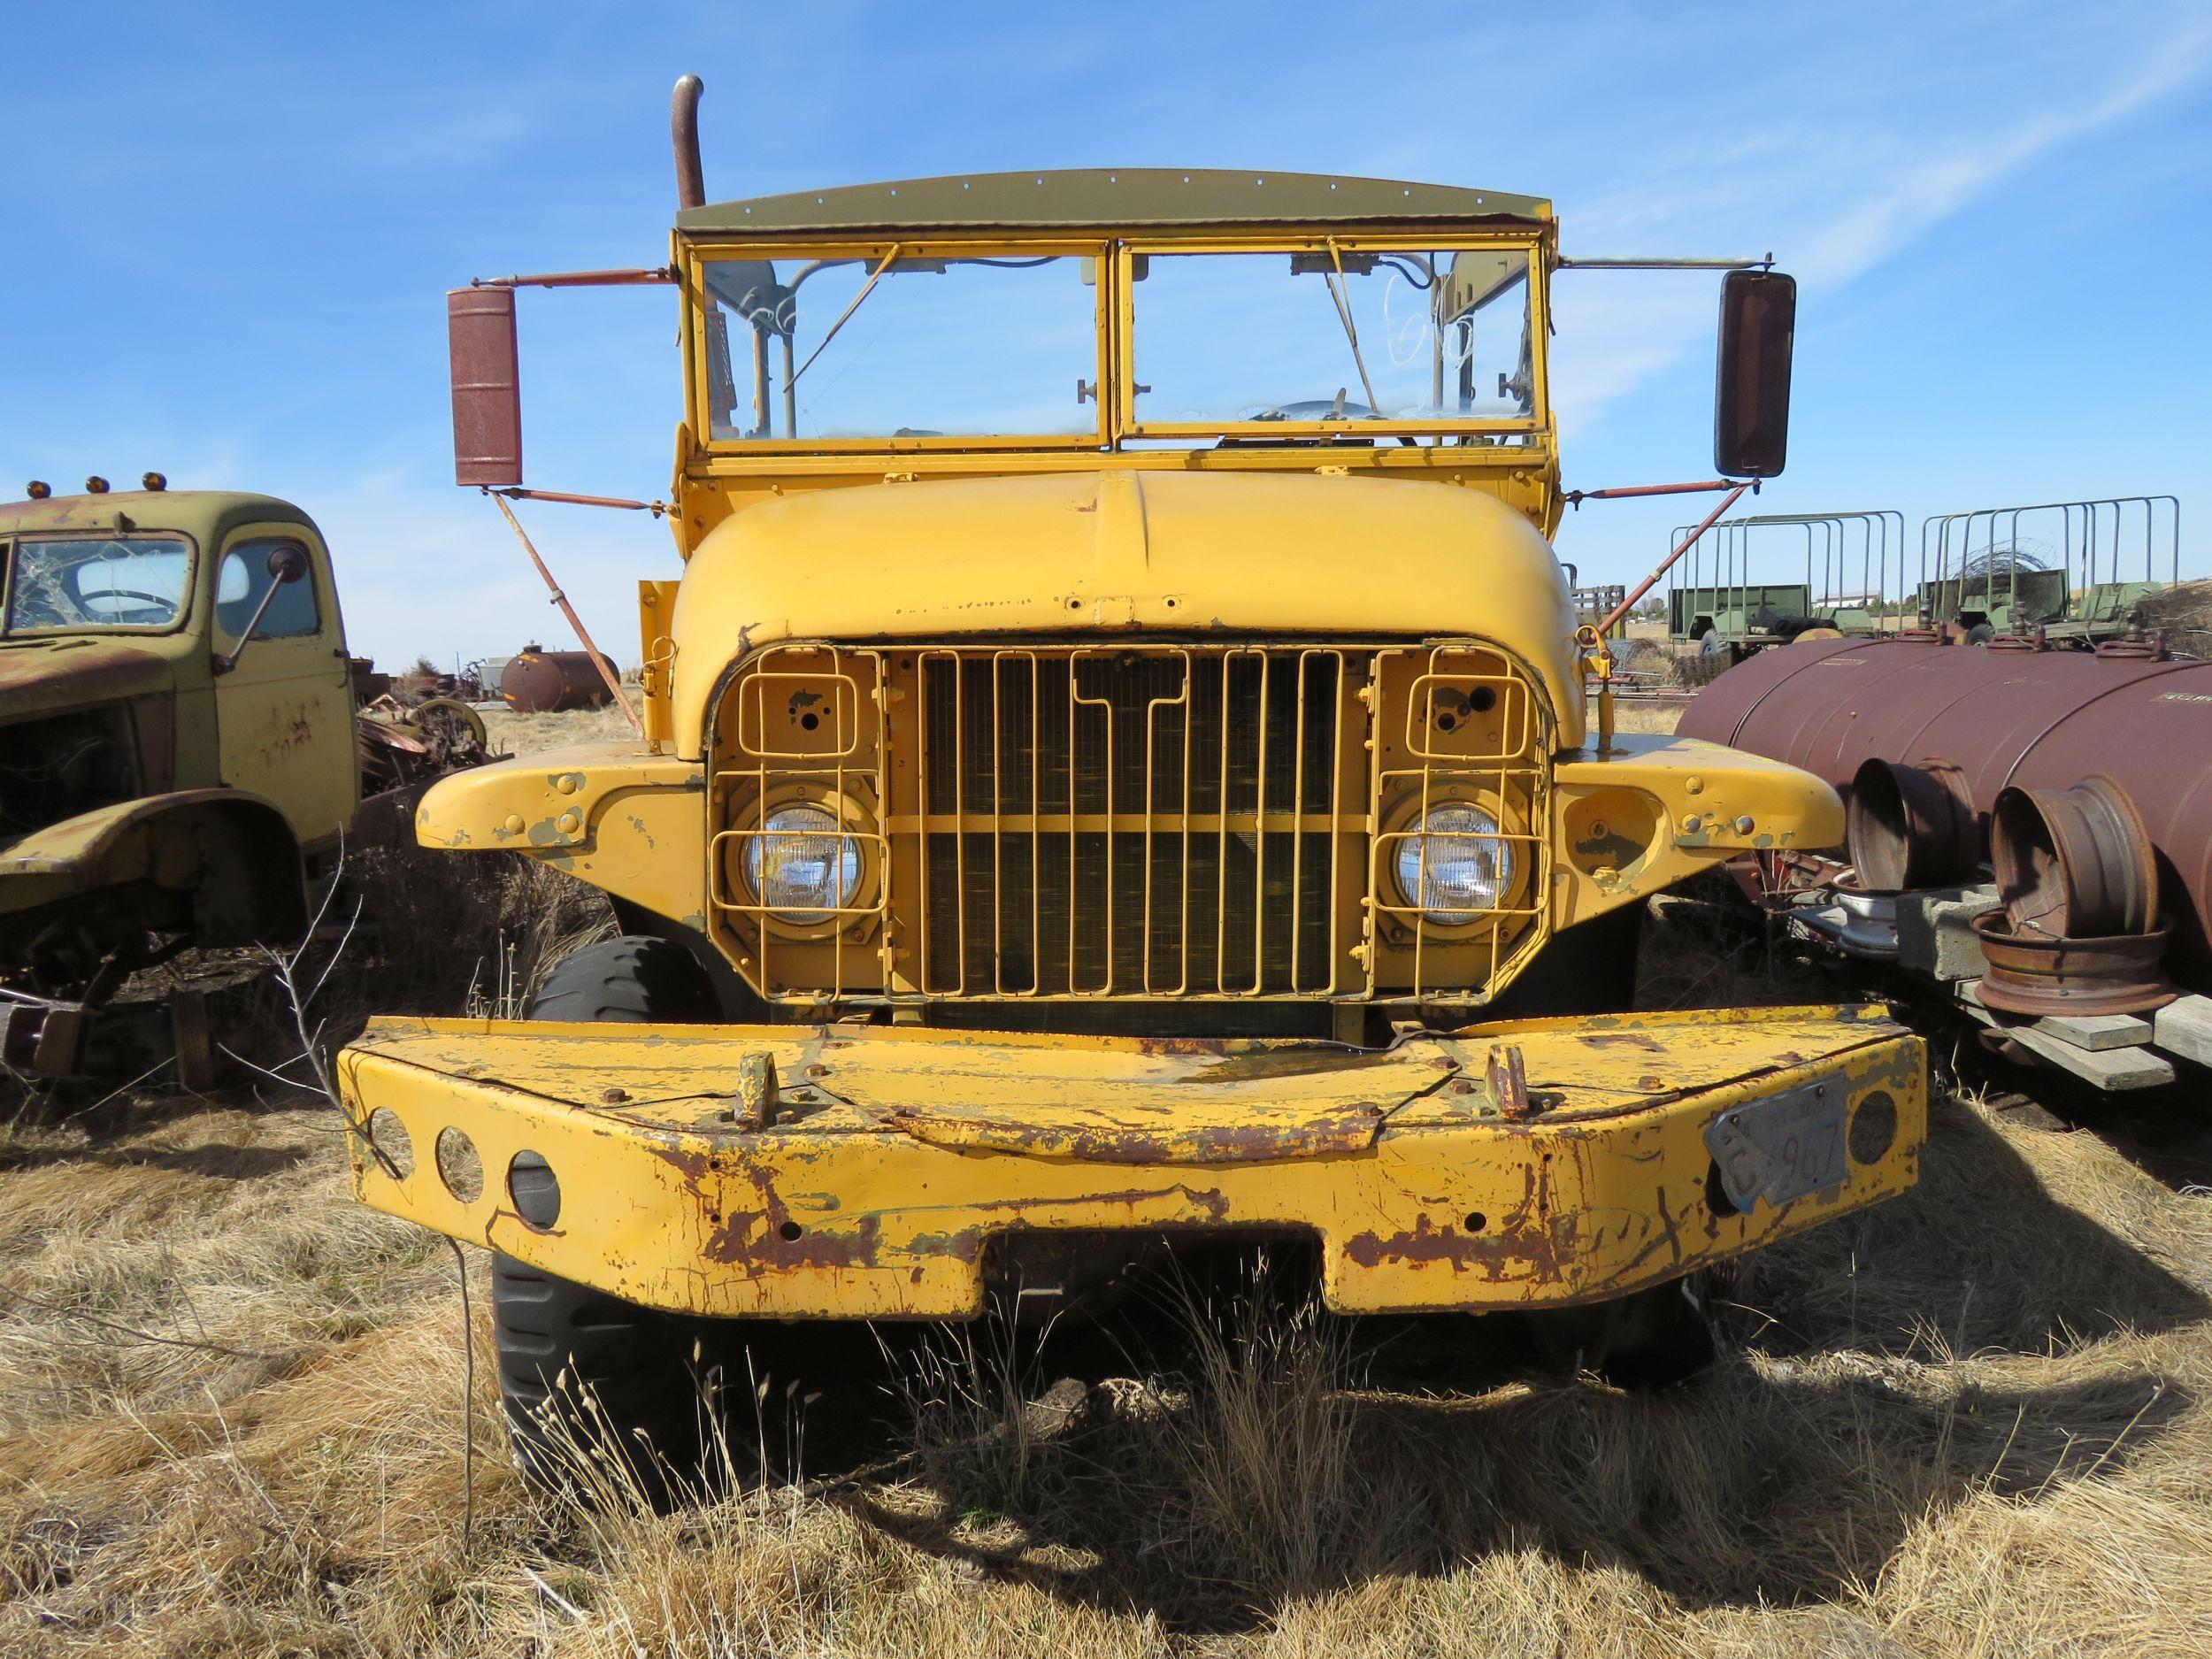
487,387
287,562
1751,403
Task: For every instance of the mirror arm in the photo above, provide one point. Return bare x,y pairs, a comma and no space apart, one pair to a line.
1613,618
227,660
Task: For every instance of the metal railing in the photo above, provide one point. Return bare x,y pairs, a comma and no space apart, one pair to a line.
1849,561
1993,556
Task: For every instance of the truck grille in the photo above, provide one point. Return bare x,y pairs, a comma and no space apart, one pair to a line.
1116,823
1081,821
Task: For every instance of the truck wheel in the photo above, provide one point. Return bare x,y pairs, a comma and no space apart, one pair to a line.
1587,969
634,980
1650,1338
593,1386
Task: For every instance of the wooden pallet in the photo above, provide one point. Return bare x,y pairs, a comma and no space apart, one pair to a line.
2110,1051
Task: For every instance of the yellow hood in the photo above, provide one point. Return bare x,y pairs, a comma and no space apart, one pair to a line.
1089,552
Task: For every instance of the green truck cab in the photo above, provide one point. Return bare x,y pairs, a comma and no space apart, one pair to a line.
176,716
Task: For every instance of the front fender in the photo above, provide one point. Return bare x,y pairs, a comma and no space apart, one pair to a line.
627,821
1651,810
233,850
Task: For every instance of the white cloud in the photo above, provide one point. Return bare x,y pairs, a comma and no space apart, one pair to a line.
1802,185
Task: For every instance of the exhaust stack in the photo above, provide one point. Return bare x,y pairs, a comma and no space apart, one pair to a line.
683,127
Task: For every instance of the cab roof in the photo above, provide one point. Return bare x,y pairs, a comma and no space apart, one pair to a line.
1101,198
206,515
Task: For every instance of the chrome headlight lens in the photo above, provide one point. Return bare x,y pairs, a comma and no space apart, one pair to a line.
1455,867
801,866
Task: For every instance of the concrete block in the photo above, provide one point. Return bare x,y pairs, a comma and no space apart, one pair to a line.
1935,935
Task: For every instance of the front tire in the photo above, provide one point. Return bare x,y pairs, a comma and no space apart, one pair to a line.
603,1396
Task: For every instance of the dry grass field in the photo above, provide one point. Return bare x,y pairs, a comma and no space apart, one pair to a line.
234,1420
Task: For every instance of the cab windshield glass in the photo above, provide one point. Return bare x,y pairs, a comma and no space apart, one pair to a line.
73,583
1335,334
884,342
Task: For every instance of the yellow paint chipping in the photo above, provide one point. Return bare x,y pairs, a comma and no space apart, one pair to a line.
886,1167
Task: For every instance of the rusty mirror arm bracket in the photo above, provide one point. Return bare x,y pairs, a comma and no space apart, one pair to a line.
634,277
515,492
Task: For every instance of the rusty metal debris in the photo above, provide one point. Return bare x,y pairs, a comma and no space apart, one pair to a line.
2038,720
539,681
755,1094
2042,974
1911,826
1508,1080
2074,863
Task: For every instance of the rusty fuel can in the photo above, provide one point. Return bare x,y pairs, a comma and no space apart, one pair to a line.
539,681
2034,719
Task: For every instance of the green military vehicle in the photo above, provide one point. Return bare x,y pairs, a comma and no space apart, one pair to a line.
180,762
1717,607
2072,572
1737,619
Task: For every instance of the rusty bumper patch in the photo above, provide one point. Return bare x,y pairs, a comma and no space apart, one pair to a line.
1352,1130
840,1207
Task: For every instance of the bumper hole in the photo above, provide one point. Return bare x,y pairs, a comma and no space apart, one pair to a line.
458,1166
1477,1221
1717,1198
1873,1127
790,1232
534,1190
389,1136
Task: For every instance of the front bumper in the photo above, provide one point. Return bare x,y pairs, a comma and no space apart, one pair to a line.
1537,1163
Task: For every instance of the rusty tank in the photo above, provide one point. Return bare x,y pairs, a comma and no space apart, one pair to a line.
2034,719
539,681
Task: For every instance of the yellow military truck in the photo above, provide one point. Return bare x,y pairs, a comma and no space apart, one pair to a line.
1118,770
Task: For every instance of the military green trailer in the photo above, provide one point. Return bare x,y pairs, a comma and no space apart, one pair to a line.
1742,618
1766,580
2075,572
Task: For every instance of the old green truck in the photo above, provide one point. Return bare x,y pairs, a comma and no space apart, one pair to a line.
180,756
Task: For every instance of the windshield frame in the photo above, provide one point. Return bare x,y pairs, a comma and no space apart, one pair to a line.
694,258
12,541
1117,345
1534,425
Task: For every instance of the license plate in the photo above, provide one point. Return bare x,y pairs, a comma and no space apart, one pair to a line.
1783,1147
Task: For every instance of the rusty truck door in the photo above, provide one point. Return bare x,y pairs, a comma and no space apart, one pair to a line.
285,712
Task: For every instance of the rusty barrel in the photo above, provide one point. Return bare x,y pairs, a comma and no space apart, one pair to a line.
2034,720
539,681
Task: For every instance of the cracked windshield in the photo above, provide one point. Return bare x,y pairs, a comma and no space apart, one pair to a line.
875,345
82,582
1349,335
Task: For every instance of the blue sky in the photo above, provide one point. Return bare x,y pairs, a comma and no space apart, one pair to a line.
229,229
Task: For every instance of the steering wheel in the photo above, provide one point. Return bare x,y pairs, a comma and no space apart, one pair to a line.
154,600
1319,408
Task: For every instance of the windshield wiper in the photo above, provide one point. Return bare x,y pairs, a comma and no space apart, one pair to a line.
1344,316
844,316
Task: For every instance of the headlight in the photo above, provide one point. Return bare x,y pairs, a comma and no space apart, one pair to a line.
801,866
1455,868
